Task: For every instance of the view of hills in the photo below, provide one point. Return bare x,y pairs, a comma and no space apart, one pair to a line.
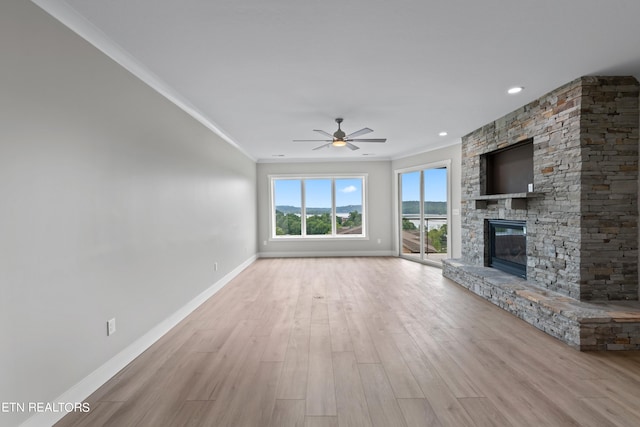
318,211
430,208
408,207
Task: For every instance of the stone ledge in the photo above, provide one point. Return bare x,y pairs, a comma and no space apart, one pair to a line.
511,200
582,325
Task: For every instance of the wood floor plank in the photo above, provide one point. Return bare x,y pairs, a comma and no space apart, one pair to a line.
363,346
623,392
508,390
620,365
302,313
562,393
418,413
320,396
445,405
219,367
209,340
288,413
192,413
614,412
383,406
279,337
261,352
253,404
319,312
321,422
439,396
400,377
338,327
172,390
459,382
351,401
293,381
252,399
483,412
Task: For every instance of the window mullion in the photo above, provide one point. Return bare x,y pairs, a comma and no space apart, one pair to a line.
363,213
333,207
422,219
303,209
272,198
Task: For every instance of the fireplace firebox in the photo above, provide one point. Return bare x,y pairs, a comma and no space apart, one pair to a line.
508,246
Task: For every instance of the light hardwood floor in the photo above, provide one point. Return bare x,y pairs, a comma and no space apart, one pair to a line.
383,342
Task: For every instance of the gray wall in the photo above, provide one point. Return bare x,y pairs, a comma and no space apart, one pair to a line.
379,214
454,154
114,203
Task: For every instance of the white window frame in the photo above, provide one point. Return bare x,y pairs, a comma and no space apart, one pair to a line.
303,226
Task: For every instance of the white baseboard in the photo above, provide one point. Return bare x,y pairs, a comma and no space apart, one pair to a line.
320,254
97,378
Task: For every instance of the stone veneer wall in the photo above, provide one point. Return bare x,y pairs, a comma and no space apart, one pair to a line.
582,236
609,124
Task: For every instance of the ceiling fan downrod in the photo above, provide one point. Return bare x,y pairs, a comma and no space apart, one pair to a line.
339,134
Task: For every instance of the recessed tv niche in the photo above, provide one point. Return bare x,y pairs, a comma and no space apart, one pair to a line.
509,170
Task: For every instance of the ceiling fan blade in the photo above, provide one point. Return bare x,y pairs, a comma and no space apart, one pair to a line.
323,132
352,147
370,140
312,140
362,131
322,146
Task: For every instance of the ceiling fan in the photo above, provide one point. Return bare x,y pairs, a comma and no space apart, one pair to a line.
340,139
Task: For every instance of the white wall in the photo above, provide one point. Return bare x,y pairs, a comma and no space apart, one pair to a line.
454,154
114,203
379,213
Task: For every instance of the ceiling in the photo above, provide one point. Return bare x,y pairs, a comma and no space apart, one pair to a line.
262,73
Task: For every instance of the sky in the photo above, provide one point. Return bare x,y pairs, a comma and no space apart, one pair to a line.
318,192
435,185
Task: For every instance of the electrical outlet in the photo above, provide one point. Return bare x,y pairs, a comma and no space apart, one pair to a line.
379,241
215,266
264,243
111,327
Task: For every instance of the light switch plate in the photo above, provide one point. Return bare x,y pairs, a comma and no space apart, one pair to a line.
111,327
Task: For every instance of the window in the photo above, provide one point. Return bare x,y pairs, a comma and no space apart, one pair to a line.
318,206
288,197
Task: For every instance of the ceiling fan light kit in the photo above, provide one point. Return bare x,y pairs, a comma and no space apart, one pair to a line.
340,139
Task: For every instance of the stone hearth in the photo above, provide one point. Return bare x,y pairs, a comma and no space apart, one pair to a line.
582,217
583,325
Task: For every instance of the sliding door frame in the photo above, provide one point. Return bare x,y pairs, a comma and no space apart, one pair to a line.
398,206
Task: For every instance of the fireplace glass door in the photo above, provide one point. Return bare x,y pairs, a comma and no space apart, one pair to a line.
423,213
508,246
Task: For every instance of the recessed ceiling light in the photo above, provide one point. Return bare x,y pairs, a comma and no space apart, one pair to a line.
514,90
443,133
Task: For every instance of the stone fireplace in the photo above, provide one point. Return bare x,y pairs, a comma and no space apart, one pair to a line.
580,212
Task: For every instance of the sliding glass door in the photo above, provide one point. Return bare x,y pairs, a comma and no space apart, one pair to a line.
423,214
411,213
